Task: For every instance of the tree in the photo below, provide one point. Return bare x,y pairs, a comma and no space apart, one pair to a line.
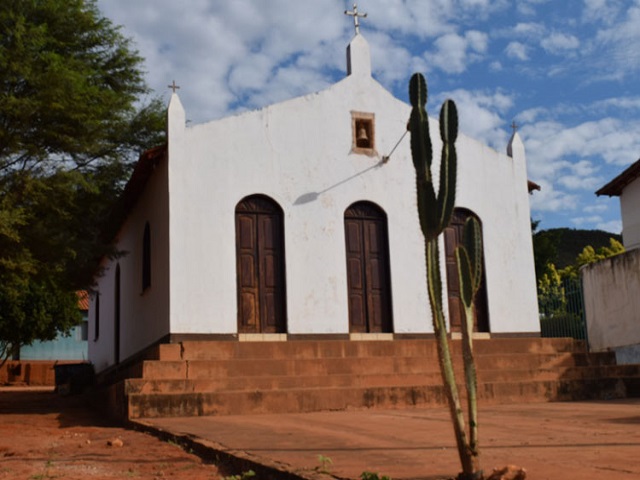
74,116
560,292
545,249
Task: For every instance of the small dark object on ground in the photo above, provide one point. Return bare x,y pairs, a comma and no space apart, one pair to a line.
73,378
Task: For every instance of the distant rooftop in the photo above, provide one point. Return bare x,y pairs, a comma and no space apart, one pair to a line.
614,187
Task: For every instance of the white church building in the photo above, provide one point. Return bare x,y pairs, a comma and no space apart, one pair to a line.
294,222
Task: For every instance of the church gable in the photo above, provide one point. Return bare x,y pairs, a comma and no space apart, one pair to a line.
299,219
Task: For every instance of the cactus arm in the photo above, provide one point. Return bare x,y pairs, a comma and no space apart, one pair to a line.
472,241
464,276
421,149
444,354
422,153
471,384
448,163
469,262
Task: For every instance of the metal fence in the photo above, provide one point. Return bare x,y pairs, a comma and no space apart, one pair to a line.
562,314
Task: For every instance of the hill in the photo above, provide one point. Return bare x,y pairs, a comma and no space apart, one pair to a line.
569,242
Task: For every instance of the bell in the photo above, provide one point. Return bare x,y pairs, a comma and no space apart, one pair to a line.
362,139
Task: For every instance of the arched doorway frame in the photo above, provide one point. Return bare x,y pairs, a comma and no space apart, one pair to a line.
452,238
368,269
260,265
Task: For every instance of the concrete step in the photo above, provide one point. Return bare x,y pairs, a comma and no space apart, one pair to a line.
207,350
234,367
310,399
233,377
274,382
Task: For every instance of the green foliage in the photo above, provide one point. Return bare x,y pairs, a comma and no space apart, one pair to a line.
373,476
561,246
73,119
325,464
560,295
244,476
545,248
551,297
590,255
435,212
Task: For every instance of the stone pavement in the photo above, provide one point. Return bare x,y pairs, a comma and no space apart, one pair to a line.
597,440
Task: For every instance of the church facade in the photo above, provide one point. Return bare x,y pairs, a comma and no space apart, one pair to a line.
296,221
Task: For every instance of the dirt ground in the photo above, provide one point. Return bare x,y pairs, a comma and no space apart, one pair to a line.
45,436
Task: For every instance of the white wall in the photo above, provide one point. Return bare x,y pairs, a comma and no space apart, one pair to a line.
144,315
629,201
494,186
300,150
612,303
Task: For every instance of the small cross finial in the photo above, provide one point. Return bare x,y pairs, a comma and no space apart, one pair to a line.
514,126
354,13
173,86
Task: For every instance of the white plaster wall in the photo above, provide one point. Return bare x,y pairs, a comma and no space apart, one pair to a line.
298,153
144,315
612,303
100,347
494,187
629,201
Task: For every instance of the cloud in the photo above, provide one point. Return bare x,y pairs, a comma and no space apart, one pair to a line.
577,182
517,50
453,52
616,47
596,208
600,10
482,114
548,199
581,221
599,223
529,7
227,53
581,175
608,138
612,226
559,43
391,62
624,103
531,115
529,30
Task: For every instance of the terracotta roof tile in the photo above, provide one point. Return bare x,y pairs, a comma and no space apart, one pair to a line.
83,299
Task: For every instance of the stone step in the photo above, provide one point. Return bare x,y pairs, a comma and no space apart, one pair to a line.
198,369
310,399
237,377
273,382
221,350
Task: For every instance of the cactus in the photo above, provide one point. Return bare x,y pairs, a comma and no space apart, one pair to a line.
469,261
435,212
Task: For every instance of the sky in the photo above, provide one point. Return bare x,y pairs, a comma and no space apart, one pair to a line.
566,72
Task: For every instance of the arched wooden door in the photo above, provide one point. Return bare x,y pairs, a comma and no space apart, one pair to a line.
260,266
452,238
368,278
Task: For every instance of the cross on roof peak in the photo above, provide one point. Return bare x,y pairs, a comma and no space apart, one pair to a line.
173,86
356,16
514,126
